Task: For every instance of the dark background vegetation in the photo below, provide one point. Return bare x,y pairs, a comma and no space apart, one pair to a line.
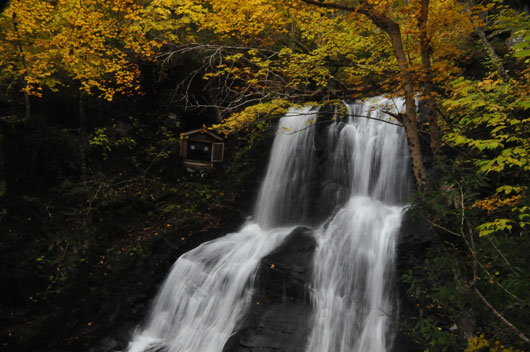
80,259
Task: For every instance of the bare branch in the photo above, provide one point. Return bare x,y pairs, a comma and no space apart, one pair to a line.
348,115
444,229
519,333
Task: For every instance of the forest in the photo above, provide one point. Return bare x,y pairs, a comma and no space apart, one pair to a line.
96,205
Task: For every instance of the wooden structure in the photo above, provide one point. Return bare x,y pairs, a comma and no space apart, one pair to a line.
201,148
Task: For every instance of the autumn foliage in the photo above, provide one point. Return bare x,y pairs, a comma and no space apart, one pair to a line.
92,45
462,67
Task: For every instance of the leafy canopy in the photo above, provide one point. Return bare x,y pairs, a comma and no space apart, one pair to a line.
94,43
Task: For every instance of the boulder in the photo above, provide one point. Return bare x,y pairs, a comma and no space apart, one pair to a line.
278,318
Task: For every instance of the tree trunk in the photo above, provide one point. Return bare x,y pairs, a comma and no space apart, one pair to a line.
495,59
410,121
428,87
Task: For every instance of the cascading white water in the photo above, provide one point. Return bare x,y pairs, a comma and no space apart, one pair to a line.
366,168
353,306
354,259
209,287
284,195
205,293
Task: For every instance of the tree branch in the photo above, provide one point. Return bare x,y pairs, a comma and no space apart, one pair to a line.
329,5
519,333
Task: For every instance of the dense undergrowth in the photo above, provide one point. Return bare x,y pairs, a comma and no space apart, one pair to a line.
473,288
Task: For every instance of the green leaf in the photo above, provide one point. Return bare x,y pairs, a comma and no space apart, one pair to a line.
494,226
506,189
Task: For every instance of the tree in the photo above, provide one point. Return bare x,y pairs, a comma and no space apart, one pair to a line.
24,25
392,29
92,45
480,271
304,50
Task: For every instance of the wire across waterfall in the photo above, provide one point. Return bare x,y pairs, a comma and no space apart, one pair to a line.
348,180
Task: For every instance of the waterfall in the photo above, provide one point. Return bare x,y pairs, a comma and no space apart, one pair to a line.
205,293
348,181
354,259
209,287
284,195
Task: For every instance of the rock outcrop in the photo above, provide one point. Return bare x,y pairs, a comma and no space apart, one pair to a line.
415,238
279,315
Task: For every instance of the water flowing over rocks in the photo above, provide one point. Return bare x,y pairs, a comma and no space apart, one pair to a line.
280,310
276,285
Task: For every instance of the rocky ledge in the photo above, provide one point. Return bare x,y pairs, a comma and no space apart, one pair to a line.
280,309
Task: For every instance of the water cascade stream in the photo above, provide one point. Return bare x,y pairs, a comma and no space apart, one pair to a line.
348,181
354,260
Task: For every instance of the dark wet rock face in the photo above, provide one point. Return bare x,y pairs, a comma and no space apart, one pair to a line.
415,238
280,312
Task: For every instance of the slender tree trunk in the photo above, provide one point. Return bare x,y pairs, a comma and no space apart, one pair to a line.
428,87
495,59
410,121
